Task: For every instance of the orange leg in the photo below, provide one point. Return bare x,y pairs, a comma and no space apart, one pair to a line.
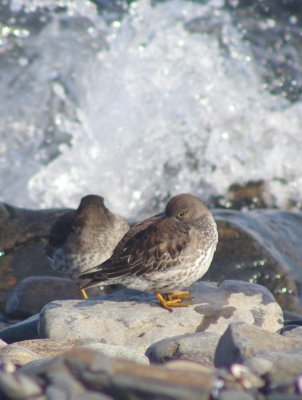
167,304
180,295
84,294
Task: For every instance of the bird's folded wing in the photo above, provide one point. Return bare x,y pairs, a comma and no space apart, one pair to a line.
157,247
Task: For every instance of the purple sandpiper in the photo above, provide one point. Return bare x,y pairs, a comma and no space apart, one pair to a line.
84,237
163,254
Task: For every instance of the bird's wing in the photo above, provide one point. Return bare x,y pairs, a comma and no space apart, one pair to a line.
153,246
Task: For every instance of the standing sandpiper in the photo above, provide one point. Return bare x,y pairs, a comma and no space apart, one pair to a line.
85,237
163,254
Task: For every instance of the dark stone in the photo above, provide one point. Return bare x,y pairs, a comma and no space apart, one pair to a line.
27,329
31,294
291,318
23,234
260,247
291,331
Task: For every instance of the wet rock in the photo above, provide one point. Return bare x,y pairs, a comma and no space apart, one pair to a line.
5,321
23,234
32,293
132,319
261,247
199,347
292,331
291,317
27,329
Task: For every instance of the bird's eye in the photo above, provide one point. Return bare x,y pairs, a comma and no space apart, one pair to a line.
182,213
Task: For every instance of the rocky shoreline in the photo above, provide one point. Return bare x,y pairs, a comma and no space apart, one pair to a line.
241,338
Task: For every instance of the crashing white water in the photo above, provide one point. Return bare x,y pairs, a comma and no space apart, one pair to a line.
140,108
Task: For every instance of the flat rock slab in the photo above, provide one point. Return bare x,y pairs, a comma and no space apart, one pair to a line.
22,353
132,319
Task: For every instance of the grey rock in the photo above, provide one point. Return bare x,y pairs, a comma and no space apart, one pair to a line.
34,364
294,332
17,386
274,356
236,395
188,366
35,349
64,384
199,347
91,396
117,352
154,382
135,320
260,365
27,329
287,366
242,341
32,293
283,396
121,379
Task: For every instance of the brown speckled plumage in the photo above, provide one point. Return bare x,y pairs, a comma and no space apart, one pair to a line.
164,253
85,237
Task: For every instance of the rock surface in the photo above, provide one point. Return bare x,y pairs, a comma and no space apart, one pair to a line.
26,351
83,371
27,329
278,357
32,293
199,347
135,320
242,341
261,247
23,234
